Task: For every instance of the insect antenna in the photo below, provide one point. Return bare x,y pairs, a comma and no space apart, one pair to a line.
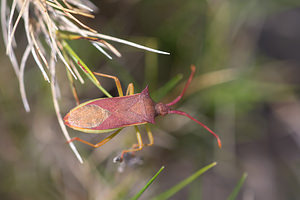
164,109
193,69
169,111
192,118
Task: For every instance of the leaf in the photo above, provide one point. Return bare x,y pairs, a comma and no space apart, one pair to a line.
137,196
237,188
84,67
169,193
164,90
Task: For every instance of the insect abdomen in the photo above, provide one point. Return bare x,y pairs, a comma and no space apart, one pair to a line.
87,116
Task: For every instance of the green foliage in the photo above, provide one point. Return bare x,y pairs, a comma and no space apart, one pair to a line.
175,189
86,70
158,94
170,192
137,196
238,187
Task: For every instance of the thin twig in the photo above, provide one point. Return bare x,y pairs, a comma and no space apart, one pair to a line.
57,109
11,35
21,79
59,6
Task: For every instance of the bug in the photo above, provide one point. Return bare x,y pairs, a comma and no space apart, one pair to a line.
113,114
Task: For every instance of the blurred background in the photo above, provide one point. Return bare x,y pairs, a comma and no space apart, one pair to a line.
246,89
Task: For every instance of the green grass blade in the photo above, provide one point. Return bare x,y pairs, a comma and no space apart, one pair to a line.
151,63
164,90
169,193
137,196
237,188
86,70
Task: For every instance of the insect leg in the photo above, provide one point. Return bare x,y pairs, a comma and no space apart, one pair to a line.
118,84
135,147
150,136
130,89
98,144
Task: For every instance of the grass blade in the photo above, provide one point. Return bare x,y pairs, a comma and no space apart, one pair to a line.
237,188
169,193
84,67
137,196
151,63
164,90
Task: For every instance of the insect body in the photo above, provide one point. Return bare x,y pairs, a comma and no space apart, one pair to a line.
108,114
113,114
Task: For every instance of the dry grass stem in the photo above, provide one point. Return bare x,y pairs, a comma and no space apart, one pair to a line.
45,23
